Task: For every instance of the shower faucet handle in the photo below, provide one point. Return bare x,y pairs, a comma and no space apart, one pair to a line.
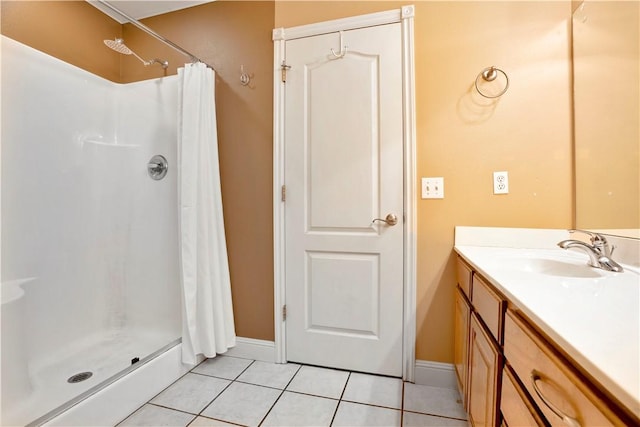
157,167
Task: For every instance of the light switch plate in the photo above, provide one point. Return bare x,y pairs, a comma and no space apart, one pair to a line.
433,188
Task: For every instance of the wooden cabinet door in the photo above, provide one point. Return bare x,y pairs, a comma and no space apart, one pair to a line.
484,376
461,343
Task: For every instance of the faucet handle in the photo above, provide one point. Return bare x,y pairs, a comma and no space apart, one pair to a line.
598,241
595,237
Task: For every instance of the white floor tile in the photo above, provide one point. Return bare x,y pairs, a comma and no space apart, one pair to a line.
374,390
433,401
357,415
191,393
312,398
293,409
411,419
245,404
319,382
269,374
209,422
223,367
150,415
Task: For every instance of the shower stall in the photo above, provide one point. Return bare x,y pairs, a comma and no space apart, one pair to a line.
90,275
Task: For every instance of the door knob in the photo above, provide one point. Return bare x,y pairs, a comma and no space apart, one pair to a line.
390,219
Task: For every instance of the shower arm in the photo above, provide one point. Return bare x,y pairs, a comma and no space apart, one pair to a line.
152,33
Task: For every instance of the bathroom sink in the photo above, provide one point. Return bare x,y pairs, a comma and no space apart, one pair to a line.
553,267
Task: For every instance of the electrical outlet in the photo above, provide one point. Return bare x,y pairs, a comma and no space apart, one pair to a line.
433,188
501,182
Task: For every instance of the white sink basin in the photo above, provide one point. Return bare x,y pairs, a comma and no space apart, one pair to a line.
553,267
537,263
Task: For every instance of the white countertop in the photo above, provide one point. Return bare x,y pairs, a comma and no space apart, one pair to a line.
592,314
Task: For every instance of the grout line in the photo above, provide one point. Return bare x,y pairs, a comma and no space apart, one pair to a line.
211,376
258,385
340,399
223,378
271,408
313,395
369,404
402,406
172,409
345,386
279,396
215,419
437,415
245,369
224,389
214,398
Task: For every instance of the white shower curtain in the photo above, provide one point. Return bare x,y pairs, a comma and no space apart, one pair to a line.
207,314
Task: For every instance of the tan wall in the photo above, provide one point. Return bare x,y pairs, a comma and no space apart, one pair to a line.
607,115
527,132
70,30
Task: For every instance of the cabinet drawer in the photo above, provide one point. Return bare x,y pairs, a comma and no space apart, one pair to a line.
489,306
538,366
464,277
515,405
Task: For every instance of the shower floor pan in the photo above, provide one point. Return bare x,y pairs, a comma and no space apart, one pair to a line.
104,355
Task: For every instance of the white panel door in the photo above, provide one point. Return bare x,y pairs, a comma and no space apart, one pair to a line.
343,169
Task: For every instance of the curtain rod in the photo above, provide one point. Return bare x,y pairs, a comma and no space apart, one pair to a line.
152,33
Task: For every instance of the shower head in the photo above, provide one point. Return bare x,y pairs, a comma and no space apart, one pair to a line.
119,46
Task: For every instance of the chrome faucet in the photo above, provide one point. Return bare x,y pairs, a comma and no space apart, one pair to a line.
599,251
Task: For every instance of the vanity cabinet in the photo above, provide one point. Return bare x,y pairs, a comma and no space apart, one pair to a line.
484,374
477,352
461,343
511,374
461,331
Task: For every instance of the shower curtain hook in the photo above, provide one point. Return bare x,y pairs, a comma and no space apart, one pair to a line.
343,48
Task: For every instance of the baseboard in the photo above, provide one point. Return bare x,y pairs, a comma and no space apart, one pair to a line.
250,348
435,374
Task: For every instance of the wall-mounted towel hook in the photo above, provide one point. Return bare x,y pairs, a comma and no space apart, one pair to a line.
245,78
343,49
490,74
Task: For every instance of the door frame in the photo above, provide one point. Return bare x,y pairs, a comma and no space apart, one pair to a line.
280,36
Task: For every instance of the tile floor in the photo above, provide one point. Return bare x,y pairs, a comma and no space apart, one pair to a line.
230,391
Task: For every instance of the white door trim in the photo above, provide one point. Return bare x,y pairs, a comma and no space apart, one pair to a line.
280,36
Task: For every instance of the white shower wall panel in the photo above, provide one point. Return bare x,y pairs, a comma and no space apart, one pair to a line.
79,212
147,117
48,109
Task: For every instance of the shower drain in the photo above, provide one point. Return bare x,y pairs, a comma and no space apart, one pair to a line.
79,377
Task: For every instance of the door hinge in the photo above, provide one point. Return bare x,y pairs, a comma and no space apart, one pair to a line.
283,70
283,194
284,312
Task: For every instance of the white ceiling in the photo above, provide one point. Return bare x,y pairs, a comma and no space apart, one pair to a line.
140,9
